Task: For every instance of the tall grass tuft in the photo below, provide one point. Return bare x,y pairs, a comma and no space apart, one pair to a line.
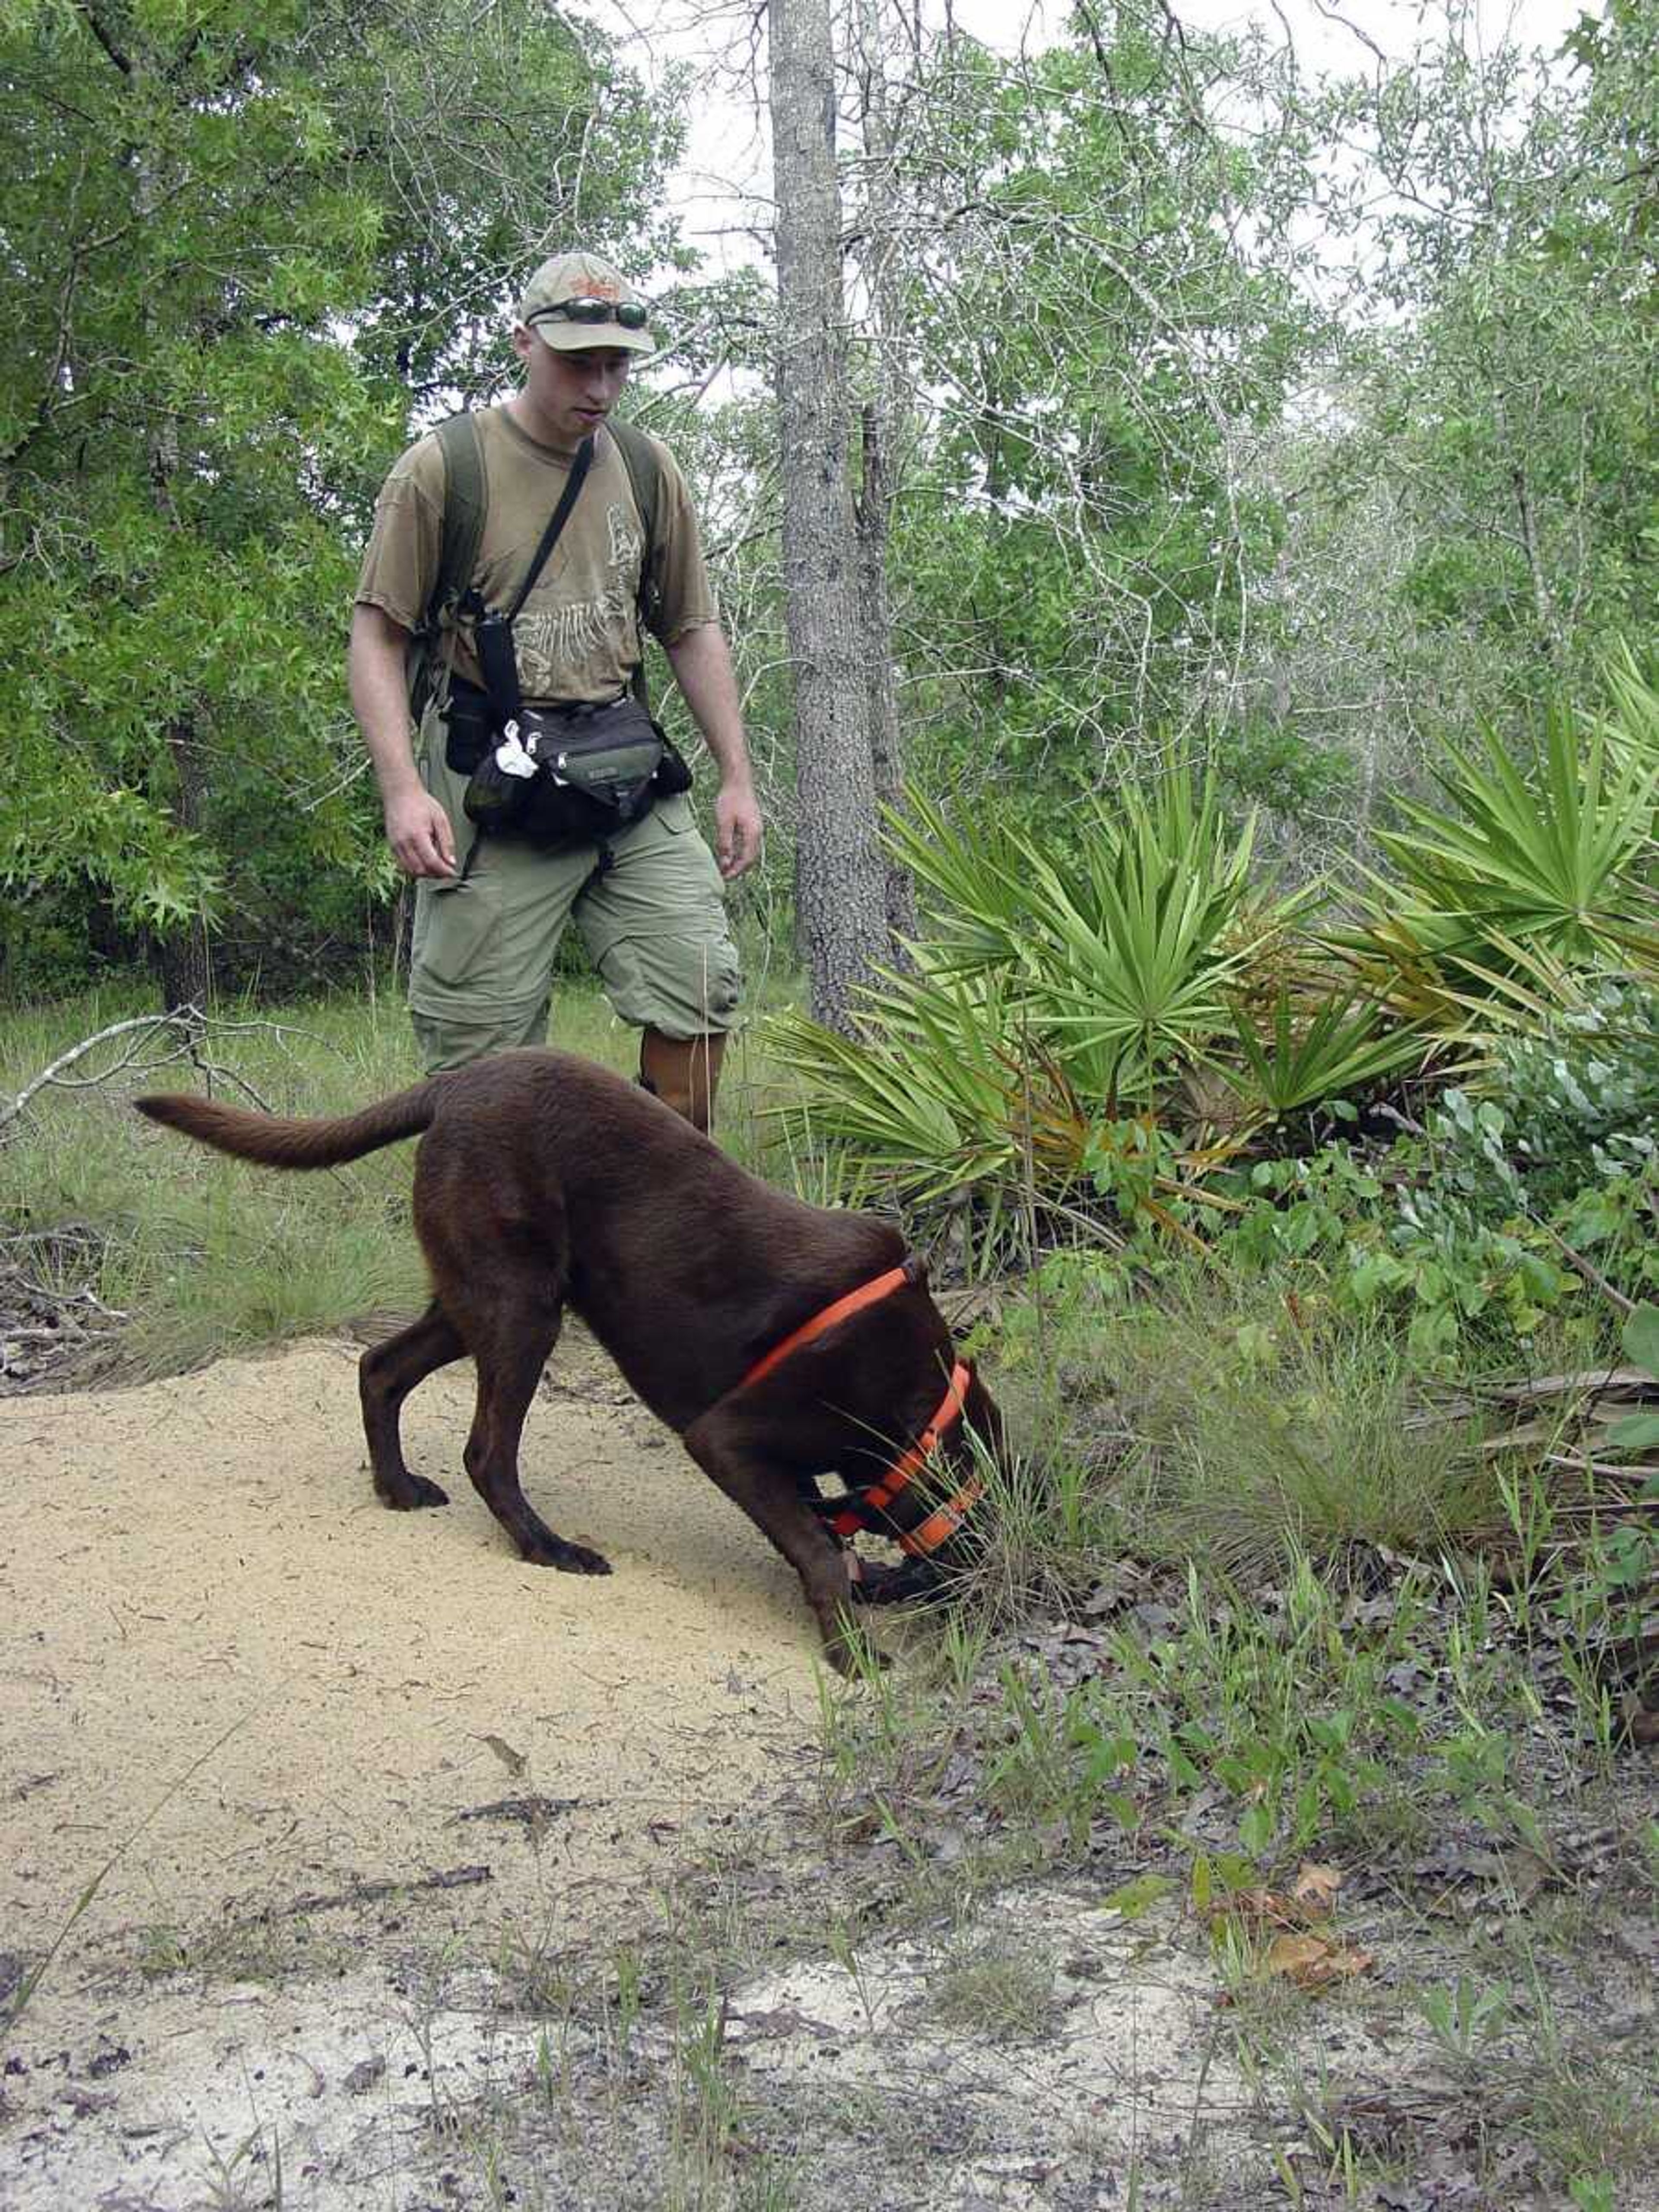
1223,1419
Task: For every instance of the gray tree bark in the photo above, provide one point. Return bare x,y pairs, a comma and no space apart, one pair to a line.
875,510
885,420
183,959
840,892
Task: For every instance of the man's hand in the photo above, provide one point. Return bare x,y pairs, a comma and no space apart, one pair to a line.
701,662
737,828
417,829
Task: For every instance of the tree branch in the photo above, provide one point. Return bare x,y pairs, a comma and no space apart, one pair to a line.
105,36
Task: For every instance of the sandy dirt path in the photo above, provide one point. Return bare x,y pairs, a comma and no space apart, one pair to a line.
203,1609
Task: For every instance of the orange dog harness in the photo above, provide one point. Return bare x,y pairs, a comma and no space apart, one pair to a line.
862,1507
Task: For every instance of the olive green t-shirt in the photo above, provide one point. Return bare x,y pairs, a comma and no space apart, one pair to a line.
578,635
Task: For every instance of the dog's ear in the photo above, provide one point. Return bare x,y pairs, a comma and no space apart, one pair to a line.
915,1272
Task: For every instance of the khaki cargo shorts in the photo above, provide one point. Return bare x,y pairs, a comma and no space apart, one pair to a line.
654,922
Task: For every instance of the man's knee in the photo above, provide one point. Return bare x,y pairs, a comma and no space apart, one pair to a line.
444,1040
657,929
685,984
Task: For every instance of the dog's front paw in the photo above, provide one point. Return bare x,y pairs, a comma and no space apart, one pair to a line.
551,1551
419,1492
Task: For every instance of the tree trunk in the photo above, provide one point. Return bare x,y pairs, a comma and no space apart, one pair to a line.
183,958
885,415
839,898
183,971
1543,605
886,740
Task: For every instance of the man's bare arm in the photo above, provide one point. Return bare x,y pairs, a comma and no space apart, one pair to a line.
417,829
702,661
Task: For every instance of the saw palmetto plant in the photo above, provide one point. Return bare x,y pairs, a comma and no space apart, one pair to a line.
1117,951
1127,970
1306,1058
1516,874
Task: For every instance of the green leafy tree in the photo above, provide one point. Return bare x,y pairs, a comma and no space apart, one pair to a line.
1496,405
245,242
1106,317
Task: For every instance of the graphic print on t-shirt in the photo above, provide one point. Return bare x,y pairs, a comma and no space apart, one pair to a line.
555,643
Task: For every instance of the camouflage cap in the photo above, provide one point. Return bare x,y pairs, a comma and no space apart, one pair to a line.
582,276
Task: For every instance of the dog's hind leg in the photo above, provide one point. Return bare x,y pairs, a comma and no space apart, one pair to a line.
385,1375
511,1340
729,1447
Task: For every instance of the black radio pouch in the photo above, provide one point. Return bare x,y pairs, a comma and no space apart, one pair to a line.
468,728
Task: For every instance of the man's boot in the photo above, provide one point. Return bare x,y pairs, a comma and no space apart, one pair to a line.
684,1072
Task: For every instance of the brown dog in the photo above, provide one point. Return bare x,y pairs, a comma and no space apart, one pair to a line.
542,1181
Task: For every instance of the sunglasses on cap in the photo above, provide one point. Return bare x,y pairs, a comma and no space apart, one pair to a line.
631,314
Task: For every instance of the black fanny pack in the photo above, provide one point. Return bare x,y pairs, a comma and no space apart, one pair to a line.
563,775
554,775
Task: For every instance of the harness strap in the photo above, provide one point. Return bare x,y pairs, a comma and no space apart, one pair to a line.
868,1294
859,1513
882,1493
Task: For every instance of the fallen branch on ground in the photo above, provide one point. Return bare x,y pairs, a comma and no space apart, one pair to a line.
185,1031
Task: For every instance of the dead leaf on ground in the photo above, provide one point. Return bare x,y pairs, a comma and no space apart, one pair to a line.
514,1761
1270,1906
1313,1962
1314,1888
1311,1896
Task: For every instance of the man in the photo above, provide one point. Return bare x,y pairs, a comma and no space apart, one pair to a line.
649,901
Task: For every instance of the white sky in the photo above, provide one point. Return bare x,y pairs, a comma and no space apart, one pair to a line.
726,160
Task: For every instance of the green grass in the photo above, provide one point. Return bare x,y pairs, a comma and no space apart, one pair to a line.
1260,1595
1220,1419
1247,1427
994,1986
204,1256
1253,1592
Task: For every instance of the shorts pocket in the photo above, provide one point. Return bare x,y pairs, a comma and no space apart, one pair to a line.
456,946
682,985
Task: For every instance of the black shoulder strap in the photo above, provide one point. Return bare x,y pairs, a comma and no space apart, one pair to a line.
464,508
555,522
464,514
645,478
492,630
457,551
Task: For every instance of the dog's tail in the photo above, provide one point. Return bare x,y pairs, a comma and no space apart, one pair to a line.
275,1143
